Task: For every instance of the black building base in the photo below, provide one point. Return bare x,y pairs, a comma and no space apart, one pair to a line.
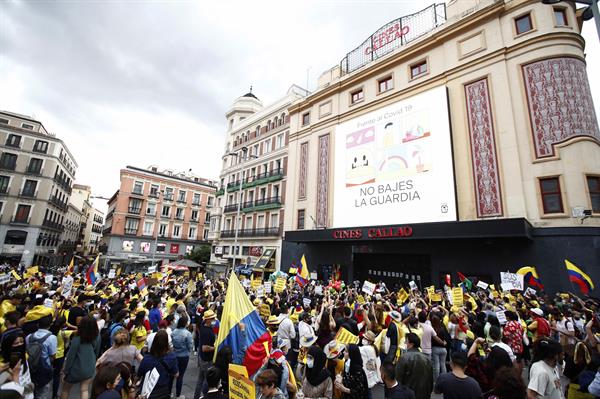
426,252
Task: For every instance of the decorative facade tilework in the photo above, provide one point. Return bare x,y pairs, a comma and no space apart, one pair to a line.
560,103
303,170
483,150
323,181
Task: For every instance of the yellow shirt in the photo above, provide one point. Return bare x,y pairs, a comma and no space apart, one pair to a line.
60,345
170,303
138,332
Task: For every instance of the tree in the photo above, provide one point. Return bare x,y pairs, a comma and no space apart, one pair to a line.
200,255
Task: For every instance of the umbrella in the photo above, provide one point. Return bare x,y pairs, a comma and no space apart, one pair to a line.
182,265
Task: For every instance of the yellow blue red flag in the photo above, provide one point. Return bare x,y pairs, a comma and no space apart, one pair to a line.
248,346
577,276
530,276
302,276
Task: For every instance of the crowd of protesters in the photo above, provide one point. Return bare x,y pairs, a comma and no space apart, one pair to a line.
328,340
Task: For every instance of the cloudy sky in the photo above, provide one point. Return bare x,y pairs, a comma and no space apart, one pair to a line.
148,82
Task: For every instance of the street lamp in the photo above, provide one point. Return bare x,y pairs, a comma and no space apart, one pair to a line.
591,11
157,226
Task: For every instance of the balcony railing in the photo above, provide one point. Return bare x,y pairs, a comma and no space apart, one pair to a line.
53,225
137,192
270,202
130,232
63,183
34,171
58,203
258,232
233,185
231,208
134,210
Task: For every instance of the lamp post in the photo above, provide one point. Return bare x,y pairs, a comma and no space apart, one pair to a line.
157,227
591,11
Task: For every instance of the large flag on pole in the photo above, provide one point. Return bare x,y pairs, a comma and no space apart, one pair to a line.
71,267
91,275
251,346
531,277
577,276
302,276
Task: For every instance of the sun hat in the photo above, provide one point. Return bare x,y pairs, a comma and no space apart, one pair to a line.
369,336
537,311
209,314
333,349
307,341
38,312
396,316
273,320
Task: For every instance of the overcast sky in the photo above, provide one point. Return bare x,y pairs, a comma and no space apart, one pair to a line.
148,82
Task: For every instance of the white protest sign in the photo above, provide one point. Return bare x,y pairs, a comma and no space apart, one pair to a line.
48,279
306,301
67,284
506,286
483,285
412,285
112,273
207,283
530,291
319,290
268,287
514,279
313,275
246,283
151,269
4,278
48,303
260,291
501,315
150,380
368,288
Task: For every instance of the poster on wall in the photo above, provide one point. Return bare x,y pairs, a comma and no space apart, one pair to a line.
127,246
394,165
160,248
189,249
174,249
145,247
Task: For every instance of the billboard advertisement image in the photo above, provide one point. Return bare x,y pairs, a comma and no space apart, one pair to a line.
394,165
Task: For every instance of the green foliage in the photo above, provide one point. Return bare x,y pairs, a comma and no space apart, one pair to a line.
200,254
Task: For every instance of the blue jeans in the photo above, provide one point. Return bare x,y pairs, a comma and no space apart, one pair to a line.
203,367
438,358
182,363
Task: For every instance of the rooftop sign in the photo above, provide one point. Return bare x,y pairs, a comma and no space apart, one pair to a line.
393,35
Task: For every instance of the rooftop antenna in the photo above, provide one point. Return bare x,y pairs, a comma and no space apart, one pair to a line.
250,89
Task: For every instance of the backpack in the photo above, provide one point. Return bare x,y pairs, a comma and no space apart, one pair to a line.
106,336
41,374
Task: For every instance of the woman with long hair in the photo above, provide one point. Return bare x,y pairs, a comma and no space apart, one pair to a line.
353,381
80,362
183,345
62,338
107,384
438,351
13,352
164,362
138,331
317,380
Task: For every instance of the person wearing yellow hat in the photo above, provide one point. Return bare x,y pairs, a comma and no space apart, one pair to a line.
207,340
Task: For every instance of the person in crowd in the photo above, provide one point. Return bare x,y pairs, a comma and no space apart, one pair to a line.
394,390
41,348
164,362
155,315
183,345
456,384
539,326
414,369
107,384
438,348
266,382
63,336
287,332
544,375
207,349
213,381
353,381
121,351
80,362
13,349
326,326
138,331
278,364
513,336
394,337
508,384
317,382
370,359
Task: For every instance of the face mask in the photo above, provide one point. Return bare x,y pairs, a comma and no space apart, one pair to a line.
347,366
310,363
365,342
18,349
126,321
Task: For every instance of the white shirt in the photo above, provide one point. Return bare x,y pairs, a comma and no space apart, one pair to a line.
151,336
305,330
286,331
428,334
565,326
507,349
371,365
545,380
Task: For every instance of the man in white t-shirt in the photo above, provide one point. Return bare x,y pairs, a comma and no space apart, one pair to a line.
566,330
496,337
429,334
544,379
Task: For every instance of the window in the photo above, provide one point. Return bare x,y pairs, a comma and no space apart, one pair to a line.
179,213
135,206
205,234
35,165
301,219
560,16
207,217
418,69
162,229
13,140
22,215
29,188
168,194
27,126
196,199
182,195
4,180
274,220
177,231
148,228
15,237
192,233
593,183
279,141
154,190
40,146
385,84
151,209
523,24
4,121
275,192
194,215
260,222
138,187
267,146
131,225
357,96
8,161
305,118
551,196
166,211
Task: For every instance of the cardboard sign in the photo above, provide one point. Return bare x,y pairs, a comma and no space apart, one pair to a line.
151,269
435,297
240,386
530,291
319,290
4,278
15,275
402,296
457,296
430,291
306,302
67,284
313,275
346,337
482,285
368,288
150,380
413,285
513,279
260,291
501,315
268,287
279,285
360,299
112,273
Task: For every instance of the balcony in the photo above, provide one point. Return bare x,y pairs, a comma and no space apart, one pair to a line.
262,204
28,194
134,210
34,171
234,185
63,183
137,193
8,166
219,192
259,232
53,225
64,206
231,208
265,177
130,232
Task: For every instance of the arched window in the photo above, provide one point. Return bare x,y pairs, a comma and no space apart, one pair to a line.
257,130
275,122
283,118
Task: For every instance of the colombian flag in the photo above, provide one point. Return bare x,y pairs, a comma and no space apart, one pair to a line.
531,277
71,267
302,275
577,276
249,348
91,275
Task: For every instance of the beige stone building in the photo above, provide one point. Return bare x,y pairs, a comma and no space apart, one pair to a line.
251,197
461,138
36,174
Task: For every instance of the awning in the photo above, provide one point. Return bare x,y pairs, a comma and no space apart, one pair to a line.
177,268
